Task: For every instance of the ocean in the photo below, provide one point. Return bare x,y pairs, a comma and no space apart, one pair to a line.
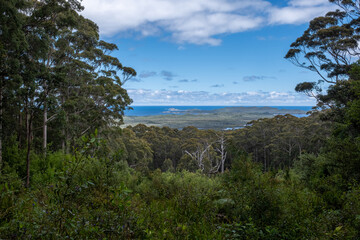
162,110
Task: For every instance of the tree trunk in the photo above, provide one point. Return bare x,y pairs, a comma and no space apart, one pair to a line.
63,142
29,141
44,145
20,131
67,147
1,127
222,151
264,150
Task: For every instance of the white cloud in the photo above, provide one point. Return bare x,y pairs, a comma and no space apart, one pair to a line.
307,3
299,11
200,28
196,21
181,97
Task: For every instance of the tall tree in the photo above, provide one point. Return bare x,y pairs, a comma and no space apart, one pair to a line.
12,44
328,47
91,94
67,76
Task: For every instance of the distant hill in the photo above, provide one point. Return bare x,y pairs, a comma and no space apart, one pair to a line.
270,110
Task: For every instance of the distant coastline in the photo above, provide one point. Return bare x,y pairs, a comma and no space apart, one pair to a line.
180,110
206,117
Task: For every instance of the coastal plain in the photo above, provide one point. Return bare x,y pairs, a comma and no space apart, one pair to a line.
219,119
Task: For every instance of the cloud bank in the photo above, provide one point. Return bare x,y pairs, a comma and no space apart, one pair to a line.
187,80
167,75
181,97
256,78
217,86
147,74
196,21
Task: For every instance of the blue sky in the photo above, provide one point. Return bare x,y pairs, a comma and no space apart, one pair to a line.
208,52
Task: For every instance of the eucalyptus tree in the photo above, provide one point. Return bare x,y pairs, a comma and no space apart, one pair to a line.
45,20
137,152
91,93
54,17
55,69
328,47
82,83
12,44
221,149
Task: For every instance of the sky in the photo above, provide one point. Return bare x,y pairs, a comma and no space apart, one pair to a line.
208,52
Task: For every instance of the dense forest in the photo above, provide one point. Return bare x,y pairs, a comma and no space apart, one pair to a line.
68,171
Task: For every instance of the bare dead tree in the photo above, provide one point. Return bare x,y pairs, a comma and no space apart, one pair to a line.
203,157
199,155
221,149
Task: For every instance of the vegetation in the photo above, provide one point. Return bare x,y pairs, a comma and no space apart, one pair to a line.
57,79
68,171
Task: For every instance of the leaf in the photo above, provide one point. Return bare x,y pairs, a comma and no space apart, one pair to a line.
224,201
338,229
91,183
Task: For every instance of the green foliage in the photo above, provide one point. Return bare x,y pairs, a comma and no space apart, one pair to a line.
309,166
277,142
168,165
333,175
324,46
92,193
13,157
58,80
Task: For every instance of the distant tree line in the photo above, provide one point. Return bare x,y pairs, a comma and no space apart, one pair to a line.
275,143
